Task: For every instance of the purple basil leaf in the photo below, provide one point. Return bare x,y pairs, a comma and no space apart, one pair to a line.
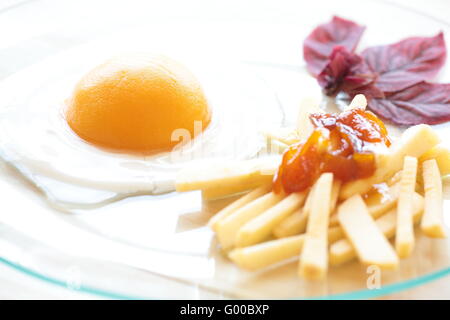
345,71
370,91
405,63
421,103
319,45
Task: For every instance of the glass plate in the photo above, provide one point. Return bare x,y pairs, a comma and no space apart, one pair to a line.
158,246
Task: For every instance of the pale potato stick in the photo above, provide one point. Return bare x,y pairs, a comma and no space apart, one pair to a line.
359,101
394,179
342,251
203,175
276,147
414,142
442,156
286,136
228,227
292,225
334,199
335,194
313,262
334,220
335,233
228,190
388,223
432,222
404,236
271,252
360,228
260,227
267,253
304,125
309,198
239,203
314,258
296,222
378,203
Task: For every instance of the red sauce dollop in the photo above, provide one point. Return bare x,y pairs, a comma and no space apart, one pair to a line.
343,144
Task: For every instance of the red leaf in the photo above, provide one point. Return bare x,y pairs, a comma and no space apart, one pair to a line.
405,63
370,91
422,103
345,71
318,46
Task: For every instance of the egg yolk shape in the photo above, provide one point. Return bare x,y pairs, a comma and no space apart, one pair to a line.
135,103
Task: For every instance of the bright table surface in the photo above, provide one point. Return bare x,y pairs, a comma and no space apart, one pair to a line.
20,14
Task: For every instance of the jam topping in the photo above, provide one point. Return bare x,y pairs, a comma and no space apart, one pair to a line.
343,144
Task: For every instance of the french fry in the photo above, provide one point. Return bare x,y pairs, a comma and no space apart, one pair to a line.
394,179
370,244
442,156
334,220
276,146
276,251
404,236
267,253
314,258
239,203
292,225
334,200
359,101
227,228
296,222
304,125
335,233
335,194
432,222
232,175
309,199
414,142
286,136
378,203
261,227
342,250
228,190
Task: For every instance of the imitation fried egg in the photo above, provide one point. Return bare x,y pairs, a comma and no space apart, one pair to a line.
88,131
